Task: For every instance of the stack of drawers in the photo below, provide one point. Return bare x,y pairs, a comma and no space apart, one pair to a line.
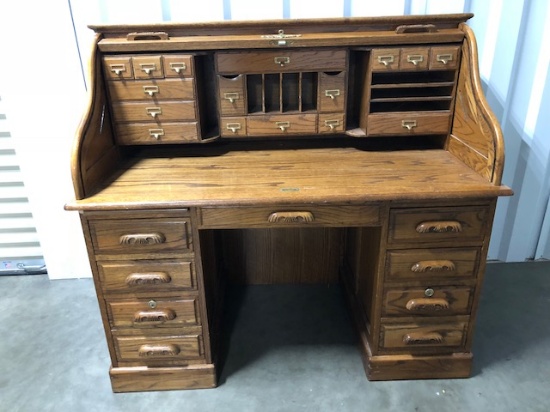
153,98
148,285
431,279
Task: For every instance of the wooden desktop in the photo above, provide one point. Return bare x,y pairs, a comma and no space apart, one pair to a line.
358,151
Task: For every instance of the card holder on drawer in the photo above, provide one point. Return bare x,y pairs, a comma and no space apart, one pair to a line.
146,275
136,236
466,223
154,313
158,348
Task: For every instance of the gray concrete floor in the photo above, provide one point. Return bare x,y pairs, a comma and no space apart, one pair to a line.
53,355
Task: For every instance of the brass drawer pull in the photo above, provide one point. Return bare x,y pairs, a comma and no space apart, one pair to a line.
281,61
332,124
148,67
386,60
117,68
154,316
415,59
234,127
156,133
154,278
332,93
231,96
142,239
150,90
282,125
450,226
158,350
444,58
408,124
434,266
178,67
153,111
423,338
427,305
291,217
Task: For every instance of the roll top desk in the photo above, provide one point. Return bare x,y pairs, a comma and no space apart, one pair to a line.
358,151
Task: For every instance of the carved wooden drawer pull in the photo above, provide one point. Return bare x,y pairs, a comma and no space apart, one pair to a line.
158,350
443,226
154,278
423,338
427,305
291,217
434,266
142,239
154,316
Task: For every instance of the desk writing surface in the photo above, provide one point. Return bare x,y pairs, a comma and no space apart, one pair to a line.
206,176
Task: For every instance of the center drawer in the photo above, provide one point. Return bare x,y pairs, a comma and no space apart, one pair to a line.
335,216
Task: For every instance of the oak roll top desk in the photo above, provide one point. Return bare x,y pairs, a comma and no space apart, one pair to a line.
358,150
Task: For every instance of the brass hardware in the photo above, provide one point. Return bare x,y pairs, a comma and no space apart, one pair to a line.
156,133
444,58
148,67
153,111
415,59
332,93
231,96
429,292
408,124
280,35
233,127
281,61
152,304
178,67
118,68
291,217
332,124
283,125
150,90
385,60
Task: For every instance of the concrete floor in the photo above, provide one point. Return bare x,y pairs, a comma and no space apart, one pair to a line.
53,355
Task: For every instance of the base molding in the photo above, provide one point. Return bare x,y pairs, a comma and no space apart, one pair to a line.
142,378
394,367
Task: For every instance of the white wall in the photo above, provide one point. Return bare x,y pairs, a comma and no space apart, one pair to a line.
42,87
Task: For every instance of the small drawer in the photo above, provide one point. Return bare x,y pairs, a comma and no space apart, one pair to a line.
147,67
231,96
170,348
415,336
154,111
431,301
233,127
436,225
146,275
385,59
414,58
154,313
118,68
408,123
435,264
178,65
332,92
137,236
444,58
281,61
150,133
282,125
153,90
331,123
334,216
